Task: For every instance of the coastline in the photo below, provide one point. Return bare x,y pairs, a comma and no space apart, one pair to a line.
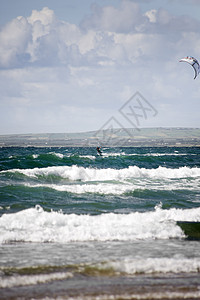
146,137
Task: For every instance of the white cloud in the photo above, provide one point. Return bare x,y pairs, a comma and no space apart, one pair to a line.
57,76
14,40
46,17
151,15
123,19
120,34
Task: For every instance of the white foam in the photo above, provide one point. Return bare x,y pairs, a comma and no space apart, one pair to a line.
101,188
92,157
120,188
92,174
37,225
158,154
156,265
107,154
59,155
165,154
17,280
144,295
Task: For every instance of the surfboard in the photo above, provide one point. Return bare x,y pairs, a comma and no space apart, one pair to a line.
191,229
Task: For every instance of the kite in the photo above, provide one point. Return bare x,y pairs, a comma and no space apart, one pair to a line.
193,62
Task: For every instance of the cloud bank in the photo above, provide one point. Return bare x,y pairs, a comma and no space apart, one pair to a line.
60,77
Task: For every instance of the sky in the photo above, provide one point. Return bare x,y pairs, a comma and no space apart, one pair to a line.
75,66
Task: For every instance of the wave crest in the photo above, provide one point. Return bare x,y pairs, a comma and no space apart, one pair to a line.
75,173
37,225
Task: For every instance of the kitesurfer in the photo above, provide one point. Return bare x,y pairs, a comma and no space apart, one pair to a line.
99,151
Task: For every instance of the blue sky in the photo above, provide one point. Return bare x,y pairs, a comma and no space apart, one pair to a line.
68,66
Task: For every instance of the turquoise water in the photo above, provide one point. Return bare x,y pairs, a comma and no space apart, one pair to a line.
67,214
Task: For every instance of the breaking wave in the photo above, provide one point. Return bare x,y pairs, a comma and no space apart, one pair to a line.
37,225
92,174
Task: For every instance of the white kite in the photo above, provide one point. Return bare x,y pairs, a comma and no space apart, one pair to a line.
193,62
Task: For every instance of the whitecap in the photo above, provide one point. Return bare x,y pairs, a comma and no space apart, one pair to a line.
37,225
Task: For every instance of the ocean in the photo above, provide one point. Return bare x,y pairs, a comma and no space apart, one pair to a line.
76,225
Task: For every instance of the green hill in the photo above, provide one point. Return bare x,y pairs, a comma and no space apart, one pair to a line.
110,137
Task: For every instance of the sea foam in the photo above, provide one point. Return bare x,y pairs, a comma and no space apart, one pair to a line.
17,280
93,174
152,265
37,225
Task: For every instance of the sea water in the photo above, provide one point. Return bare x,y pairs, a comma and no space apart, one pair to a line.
75,225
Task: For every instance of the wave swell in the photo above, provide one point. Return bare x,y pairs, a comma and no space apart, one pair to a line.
75,173
37,225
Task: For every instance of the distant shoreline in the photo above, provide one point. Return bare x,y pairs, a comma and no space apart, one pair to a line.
123,137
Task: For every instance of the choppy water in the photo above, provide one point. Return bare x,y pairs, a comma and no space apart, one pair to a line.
67,215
